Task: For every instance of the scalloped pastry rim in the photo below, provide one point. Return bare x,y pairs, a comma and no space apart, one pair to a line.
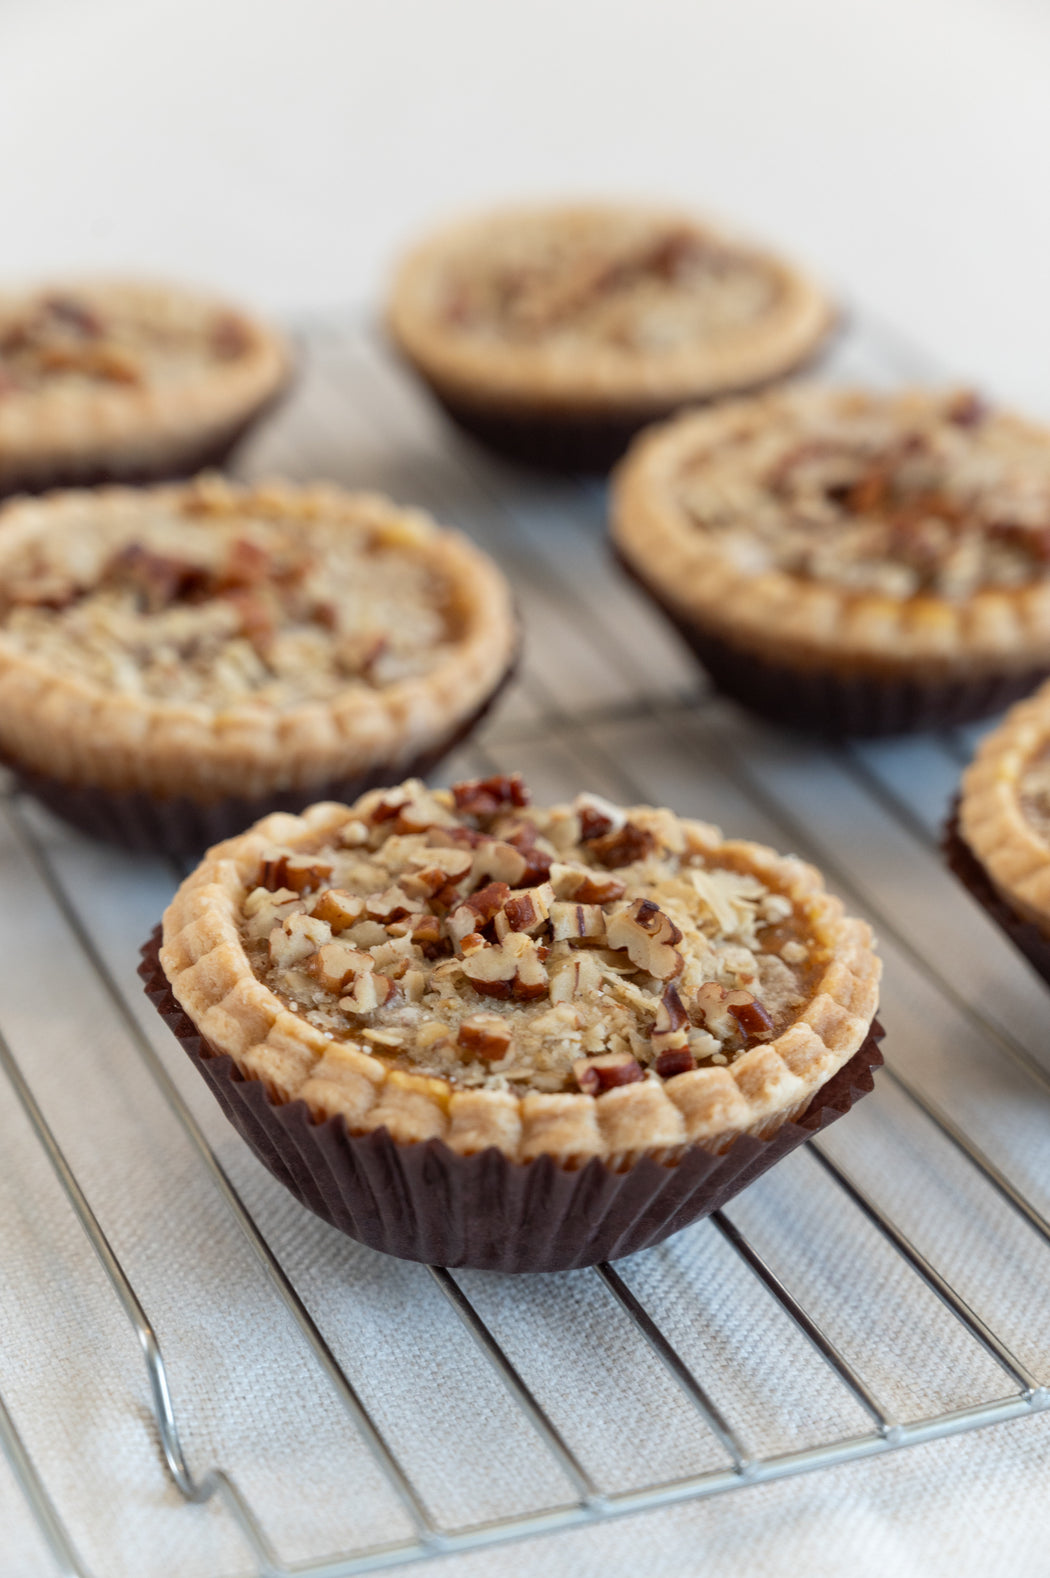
531,381
806,623
69,729
211,977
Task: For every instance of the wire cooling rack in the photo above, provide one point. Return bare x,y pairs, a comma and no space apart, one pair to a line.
877,1290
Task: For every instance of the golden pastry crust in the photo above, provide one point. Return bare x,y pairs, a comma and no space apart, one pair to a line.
883,535
260,918
598,310
126,379
1007,834
111,596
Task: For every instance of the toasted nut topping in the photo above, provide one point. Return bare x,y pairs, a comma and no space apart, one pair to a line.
339,908
484,1035
679,1060
624,847
753,1018
428,934
586,887
578,923
484,797
369,993
390,905
511,968
337,962
296,939
573,976
596,816
649,937
596,1074
299,872
526,911
499,861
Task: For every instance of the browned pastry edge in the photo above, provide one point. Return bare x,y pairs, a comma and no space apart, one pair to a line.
964,864
562,442
179,465
182,826
821,701
425,1202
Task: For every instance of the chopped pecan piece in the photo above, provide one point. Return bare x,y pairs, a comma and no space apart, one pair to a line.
537,861
649,937
752,1017
390,905
586,887
678,1060
967,409
670,1032
725,1012
484,797
526,911
339,908
299,872
229,338
156,577
74,314
573,975
583,923
370,991
477,910
428,934
595,1074
596,817
623,847
336,963
511,968
484,1035
295,939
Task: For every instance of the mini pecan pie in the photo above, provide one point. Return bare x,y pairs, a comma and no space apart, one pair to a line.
176,660
847,561
573,983
105,381
555,333
998,841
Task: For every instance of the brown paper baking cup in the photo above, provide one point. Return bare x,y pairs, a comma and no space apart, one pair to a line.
425,1202
179,825
209,454
1024,934
838,705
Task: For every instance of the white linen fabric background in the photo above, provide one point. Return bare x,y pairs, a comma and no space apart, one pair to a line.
284,151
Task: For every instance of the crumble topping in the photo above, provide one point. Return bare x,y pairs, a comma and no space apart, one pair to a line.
116,336
900,495
466,935
626,281
214,595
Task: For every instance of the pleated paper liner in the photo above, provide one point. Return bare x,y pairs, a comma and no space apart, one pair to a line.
179,825
424,1202
842,705
590,441
210,453
1024,934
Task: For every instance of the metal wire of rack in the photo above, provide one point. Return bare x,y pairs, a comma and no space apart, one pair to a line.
609,700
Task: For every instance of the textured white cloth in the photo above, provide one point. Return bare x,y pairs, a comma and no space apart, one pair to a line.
248,1394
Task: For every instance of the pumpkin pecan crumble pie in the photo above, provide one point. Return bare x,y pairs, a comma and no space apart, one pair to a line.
998,839
580,981
108,381
213,648
555,333
846,560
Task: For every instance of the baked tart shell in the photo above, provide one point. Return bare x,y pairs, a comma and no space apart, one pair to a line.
150,432
840,704
580,411
426,1202
1023,933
